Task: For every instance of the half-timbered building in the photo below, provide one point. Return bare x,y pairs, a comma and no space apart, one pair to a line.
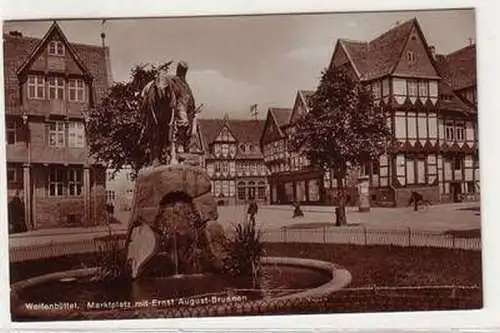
234,160
459,163
292,177
50,86
403,74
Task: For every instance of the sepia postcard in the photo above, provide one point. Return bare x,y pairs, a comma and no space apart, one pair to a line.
251,165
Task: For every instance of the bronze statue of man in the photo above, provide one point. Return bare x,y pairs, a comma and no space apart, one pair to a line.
168,103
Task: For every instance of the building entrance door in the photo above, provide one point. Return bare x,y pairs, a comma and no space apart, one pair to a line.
251,193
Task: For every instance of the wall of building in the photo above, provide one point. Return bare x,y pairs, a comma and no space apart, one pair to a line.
120,189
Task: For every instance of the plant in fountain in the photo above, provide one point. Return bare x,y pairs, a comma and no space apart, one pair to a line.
244,252
110,257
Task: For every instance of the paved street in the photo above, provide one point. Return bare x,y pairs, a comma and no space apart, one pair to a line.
436,218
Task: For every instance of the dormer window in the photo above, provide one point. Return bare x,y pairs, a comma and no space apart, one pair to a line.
56,48
242,147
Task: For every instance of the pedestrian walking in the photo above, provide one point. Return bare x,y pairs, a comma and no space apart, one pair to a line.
297,211
252,210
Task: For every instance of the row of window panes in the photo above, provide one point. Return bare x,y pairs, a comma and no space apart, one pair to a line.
250,168
242,191
274,149
224,149
56,88
379,88
249,147
57,131
226,188
65,182
455,132
73,132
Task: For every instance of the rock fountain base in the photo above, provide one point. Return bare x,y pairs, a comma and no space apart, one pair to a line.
172,229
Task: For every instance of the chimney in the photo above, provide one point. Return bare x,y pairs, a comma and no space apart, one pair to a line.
432,49
470,41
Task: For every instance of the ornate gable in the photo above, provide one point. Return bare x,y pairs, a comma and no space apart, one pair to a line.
54,54
299,109
225,134
271,130
415,59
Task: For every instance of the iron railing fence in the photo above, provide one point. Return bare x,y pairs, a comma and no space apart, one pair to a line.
407,237
324,235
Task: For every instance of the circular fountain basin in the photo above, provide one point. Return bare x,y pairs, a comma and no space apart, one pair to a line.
281,278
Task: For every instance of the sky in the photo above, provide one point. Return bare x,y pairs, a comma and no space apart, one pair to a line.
237,61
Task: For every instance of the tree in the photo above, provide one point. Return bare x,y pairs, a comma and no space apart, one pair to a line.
343,128
115,127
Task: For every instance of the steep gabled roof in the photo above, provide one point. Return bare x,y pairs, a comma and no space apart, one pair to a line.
53,30
281,116
450,101
459,68
306,96
245,131
210,128
302,98
379,57
18,49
